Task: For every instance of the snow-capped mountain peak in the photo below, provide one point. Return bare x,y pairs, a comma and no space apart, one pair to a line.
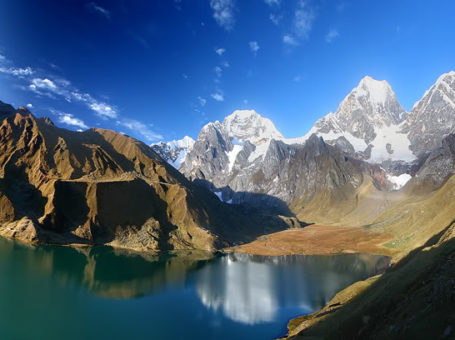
369,120
250,125
174,151
432,117
378,91
372,100
185,142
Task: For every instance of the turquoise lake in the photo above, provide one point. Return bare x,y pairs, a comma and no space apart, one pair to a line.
51,292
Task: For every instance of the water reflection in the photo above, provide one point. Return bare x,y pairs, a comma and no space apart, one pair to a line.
104,271
211,296
253,289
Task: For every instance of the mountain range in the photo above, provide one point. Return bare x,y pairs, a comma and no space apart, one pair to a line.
102,187
370,168
246,155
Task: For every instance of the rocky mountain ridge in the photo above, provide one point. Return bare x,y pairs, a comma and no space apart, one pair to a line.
369,124
101,187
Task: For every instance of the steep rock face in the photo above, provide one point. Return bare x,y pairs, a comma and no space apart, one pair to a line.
369,119
209,156
99,186
175,151
246,159
438,166
433,116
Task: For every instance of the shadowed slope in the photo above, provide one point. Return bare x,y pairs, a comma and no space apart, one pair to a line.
99,186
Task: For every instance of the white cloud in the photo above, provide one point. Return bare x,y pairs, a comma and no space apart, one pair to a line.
63,88
98,9
220,51
276,18
29,106
69,119
141,128
202,101
254,46
331,35
103,109
223,13
303,19
290,40
272,2
218,71
217,96
43,84
18,72
225,64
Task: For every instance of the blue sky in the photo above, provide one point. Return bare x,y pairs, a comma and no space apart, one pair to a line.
161,69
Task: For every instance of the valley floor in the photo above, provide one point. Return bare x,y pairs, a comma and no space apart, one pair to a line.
319,240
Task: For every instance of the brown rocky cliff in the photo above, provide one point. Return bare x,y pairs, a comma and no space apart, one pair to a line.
102,187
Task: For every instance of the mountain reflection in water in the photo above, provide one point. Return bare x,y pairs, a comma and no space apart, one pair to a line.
79,292
251,289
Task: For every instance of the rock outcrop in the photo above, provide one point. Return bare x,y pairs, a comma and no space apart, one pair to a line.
102,187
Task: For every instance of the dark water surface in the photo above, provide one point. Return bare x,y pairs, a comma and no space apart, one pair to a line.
95,293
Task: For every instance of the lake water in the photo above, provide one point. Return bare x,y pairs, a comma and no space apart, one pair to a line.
95,293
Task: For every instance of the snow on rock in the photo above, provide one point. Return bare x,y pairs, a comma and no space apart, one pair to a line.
174,151
232,155
219,194
398,142
260,151
399,181
249,125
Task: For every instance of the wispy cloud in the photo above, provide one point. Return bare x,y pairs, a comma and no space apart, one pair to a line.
140,40
273,2
202,101
254,46
55,87
220,51
297,79
60,88
331,35
103,109
218,96
18,72
223,13
63,88
143,129
70,120
290,40
276,19
94,7
218,71
302,23
303,19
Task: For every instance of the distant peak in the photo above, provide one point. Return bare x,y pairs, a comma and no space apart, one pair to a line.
378,91
243,114
250,125
187,139
445,76
373,84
